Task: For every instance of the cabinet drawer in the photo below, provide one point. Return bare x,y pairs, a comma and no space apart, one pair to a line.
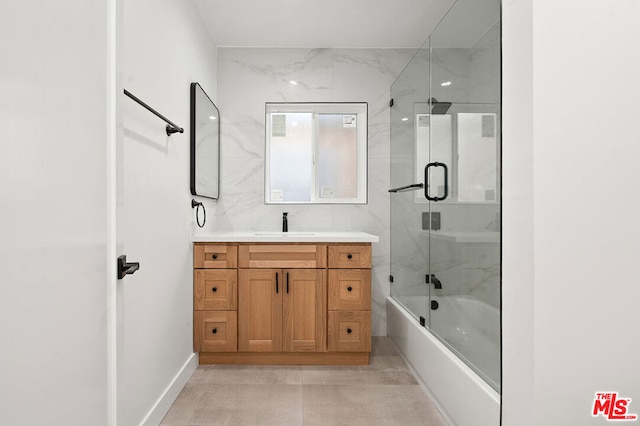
350,256
220,256
309,256
349,331
215,289
350,289
215,331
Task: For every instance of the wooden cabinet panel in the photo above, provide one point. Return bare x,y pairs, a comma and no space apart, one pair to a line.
349,331
215,289
222,256
282,256
304,310
350,289
279,303
215,331
260,310
350,256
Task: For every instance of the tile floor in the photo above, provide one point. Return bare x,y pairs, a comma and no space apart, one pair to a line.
383,393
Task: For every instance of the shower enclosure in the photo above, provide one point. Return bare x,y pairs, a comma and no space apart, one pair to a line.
445,186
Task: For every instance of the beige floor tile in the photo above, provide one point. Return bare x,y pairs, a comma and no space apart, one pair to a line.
382,346
240,405
382,393
249,374
382,371
368,405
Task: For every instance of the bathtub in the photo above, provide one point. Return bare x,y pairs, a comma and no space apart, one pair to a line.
462,396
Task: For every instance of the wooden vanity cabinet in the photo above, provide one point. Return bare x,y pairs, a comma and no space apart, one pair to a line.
295,303
215,299
282,310
349,318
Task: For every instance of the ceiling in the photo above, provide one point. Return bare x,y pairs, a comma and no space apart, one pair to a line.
321,23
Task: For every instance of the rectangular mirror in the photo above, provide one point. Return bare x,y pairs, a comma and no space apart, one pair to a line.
205,144
316,153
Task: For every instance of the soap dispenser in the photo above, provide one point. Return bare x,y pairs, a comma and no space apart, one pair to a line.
285,224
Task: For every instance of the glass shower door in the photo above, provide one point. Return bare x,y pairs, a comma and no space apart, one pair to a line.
464,134
409,240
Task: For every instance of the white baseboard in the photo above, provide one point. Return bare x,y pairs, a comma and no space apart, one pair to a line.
168,397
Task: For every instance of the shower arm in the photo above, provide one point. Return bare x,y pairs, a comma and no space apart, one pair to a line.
412,187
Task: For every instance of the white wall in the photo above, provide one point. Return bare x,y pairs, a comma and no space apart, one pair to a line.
247,78
53,212
165,48
570,288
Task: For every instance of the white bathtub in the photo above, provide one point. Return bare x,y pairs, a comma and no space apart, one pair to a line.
461,395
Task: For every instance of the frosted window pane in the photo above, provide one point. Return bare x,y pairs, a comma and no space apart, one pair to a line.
337,156
477,179
437,130
291,156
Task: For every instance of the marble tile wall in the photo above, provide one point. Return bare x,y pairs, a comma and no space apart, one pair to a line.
463,268
249,77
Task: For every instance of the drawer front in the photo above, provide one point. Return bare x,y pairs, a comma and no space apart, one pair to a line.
350,289
308,256
349,331
350,256
215,331
215,289
219,256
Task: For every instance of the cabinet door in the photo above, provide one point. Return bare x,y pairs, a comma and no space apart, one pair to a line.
350,331
304,310
217,256
260,310
350,256
215,331
350,289
214,290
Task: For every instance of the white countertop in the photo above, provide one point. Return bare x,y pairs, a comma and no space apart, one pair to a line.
286,237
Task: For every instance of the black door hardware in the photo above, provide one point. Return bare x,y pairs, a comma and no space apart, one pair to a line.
287,283
434,305
426,180
411,187
125,268
423,322
214,331
276,283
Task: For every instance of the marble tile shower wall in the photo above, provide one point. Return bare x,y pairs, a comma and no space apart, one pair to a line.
467,269
249,77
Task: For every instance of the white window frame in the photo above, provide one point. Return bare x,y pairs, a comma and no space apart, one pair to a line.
359,109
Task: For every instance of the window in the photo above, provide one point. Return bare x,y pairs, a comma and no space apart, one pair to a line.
316,153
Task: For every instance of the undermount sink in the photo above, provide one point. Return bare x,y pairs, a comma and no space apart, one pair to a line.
284,234
287,237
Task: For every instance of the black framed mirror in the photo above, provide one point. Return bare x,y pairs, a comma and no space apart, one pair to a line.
205,144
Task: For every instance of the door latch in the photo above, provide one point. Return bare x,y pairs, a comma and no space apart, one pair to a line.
125,268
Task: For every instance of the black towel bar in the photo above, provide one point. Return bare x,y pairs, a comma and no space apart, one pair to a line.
171,127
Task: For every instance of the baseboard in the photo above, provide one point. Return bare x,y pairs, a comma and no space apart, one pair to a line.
168,397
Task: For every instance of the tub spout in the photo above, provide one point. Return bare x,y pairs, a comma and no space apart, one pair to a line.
436,282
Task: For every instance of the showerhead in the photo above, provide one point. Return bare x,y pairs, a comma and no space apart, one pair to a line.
439,107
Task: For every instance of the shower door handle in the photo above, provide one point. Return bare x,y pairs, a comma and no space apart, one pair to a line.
426,181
